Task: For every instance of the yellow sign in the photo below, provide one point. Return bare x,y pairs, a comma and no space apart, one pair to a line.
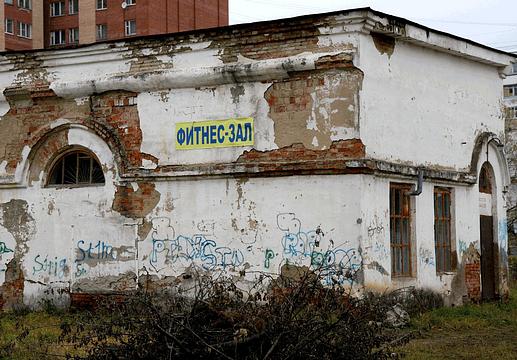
214,134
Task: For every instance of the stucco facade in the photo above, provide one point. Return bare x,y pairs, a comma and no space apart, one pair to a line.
343,105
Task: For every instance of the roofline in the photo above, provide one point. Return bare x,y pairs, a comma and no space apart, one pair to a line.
226,28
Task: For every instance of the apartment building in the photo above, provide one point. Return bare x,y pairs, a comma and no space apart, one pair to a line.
36,24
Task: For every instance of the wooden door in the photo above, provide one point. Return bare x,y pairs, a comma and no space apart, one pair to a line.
487,258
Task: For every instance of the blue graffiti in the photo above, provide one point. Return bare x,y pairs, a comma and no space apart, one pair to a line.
335,266
99,251
48,266
503,234
91,251
170,249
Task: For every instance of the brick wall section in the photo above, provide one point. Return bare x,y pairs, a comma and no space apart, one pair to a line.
2,33
14,42
117,110
473,281
64,22
135,204
152,17
339,150
113,116
29,118
92,301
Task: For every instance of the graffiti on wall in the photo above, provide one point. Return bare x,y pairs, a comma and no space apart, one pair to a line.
336,264
49,266
92,252
4,257
169,249
426,257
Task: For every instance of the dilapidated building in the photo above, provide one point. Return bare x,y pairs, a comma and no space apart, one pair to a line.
354,142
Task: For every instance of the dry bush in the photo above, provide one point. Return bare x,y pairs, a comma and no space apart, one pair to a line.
285,318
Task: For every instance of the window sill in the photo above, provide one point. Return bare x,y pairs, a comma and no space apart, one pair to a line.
446,273
24,37
74,186
8,33
403,281
55,16
101,9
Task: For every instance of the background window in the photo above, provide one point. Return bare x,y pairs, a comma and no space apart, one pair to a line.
102,4
57,8
130,2
442,229
8,2
400,229
102,32
25,30
76,168
73,36
57,37
512,112
510,90
25,4
9,26
73,6
130,27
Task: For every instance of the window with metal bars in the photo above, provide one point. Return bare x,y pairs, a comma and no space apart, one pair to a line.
76,168
442,230
400,230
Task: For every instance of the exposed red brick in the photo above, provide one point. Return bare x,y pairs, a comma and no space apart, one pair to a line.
92,301
342,149
135,204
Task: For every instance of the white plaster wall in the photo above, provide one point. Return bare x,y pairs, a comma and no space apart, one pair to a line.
426,107
255,225
160,111
259,224
376,234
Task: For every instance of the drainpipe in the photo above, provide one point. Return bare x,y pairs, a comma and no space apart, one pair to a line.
418,189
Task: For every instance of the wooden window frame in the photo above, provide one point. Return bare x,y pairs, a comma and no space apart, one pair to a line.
443,236
397,218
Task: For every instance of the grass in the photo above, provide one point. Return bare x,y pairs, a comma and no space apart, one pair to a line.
486,331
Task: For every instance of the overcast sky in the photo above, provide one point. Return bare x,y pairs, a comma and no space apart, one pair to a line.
490,22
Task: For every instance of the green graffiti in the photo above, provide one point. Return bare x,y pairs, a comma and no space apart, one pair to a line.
317,259
4,249
268,257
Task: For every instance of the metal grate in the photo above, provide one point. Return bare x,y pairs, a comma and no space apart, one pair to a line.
400,229
442,229
76,168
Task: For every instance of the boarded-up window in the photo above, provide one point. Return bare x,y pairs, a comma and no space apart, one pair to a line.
400,229
485,185
442,229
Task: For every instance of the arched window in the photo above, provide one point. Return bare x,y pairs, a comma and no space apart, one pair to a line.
77,167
